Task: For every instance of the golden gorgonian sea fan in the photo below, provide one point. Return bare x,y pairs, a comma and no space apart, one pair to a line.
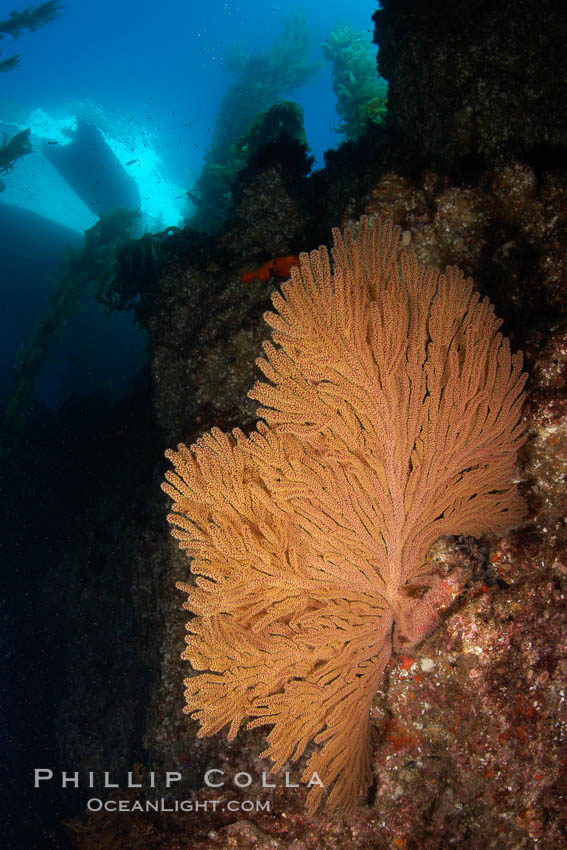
391,416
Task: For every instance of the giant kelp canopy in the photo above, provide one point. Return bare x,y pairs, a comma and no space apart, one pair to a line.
11,150
263,79
30,19
361,93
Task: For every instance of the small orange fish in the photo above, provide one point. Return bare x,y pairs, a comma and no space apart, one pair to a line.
278,267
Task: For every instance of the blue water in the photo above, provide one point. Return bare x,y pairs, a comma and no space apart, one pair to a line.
158,72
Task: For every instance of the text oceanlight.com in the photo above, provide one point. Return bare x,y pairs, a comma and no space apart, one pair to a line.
212,778
95,804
